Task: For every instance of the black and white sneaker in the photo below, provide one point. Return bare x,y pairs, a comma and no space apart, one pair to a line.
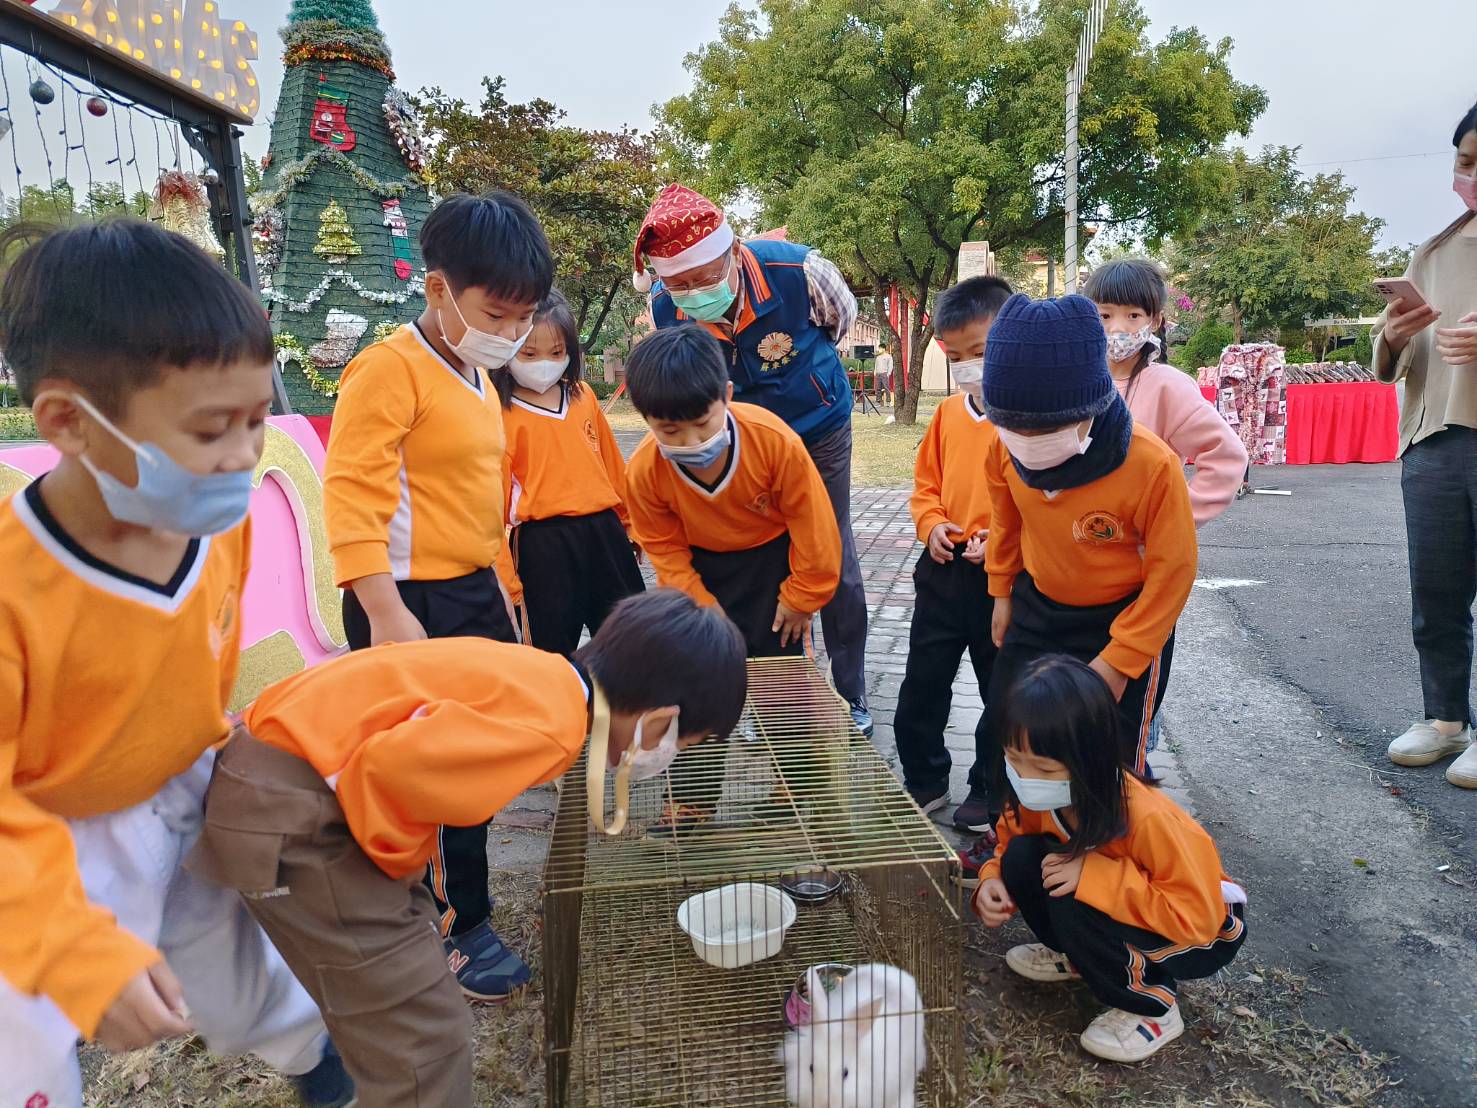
974,814
930,798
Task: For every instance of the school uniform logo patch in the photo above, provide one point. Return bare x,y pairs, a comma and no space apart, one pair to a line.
760,504
1098,528
775,349
591,438
224,623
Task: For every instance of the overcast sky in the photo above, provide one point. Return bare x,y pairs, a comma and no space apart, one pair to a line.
1358,84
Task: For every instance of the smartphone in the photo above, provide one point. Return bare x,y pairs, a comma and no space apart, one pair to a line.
1400,288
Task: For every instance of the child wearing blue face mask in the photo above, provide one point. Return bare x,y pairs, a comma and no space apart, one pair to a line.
566,484
149,369
1122,888
728,506
413,495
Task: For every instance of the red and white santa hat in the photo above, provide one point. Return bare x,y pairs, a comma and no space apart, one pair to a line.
683,229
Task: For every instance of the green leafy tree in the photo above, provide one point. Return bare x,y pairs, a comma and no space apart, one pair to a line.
1284,247
589,189
887,132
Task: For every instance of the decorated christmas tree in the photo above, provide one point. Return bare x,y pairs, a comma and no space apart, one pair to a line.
341,202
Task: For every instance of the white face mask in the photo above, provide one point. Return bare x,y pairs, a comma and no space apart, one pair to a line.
645,763
1038,452
703,454
1037,793
970,377
479,347
538,376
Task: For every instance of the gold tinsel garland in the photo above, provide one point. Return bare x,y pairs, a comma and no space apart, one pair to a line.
289,349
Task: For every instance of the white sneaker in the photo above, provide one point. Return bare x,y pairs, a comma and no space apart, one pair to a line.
1423,744
1121,1036
1463,772
1039,962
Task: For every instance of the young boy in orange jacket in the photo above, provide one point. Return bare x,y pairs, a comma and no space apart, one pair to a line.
1092,547
149,369
324,818
952,605
729,507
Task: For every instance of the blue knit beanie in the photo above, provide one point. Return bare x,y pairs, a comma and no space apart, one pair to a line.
1046,364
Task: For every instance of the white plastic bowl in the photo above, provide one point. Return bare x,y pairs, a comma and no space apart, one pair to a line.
734,925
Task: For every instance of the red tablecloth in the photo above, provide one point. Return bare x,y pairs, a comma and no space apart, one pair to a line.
1358,421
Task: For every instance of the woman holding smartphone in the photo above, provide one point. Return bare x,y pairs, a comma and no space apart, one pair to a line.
1432,346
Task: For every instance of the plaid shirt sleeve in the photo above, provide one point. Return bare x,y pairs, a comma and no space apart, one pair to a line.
832,307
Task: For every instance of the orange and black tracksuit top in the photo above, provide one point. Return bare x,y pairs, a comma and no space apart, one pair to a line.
946,473
413,482
110,685
768,486
1131,531
1163,874
443,731
562,463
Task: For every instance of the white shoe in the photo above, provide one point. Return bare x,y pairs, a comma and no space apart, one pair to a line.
1039,962
1463,772
1121,1036
1423,744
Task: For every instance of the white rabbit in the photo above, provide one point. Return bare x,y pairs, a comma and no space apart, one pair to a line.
863,1046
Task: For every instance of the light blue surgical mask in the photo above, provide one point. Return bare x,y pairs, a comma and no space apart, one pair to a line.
703,454
168,497
708,304
1037,793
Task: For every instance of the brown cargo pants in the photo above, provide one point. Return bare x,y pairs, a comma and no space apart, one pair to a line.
363,944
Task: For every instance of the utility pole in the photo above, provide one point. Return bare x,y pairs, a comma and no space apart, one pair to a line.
1076,78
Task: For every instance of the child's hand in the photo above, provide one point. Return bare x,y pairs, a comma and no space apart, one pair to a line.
974,550
992,902
1060,873
150,1007
1116,682
397,626
1000,621
790,624
940,545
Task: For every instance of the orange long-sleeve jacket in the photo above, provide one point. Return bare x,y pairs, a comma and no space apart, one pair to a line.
769,487
413,481
1130,531
948,473
1164,874
110,685
442,731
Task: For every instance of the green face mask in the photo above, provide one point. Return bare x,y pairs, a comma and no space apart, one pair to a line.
707,304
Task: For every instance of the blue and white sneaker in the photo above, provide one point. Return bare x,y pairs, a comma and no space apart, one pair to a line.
862,718
486,970
326,1085
1121,1036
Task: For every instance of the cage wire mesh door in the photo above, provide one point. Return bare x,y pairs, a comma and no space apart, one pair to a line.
676,967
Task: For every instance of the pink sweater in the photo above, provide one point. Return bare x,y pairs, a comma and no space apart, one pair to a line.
1169,403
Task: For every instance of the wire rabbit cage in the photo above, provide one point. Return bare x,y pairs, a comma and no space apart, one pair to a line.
676,964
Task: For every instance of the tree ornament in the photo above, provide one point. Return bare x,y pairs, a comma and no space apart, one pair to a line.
41,92
344,330
400,117
335,240
330,118
182,206
399,238
97,106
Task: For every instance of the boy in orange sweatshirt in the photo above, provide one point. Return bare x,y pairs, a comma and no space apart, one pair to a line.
728,506
413,494
324,818
1092,539
952,605
149,369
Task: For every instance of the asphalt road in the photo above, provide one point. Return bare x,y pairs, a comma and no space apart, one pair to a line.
1293,669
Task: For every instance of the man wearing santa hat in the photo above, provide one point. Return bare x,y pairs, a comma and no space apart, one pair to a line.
779,310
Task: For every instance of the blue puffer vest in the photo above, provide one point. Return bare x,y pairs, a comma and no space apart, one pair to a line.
778,358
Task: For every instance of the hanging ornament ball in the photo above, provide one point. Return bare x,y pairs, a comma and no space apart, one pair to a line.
41,92
97,106
210,177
